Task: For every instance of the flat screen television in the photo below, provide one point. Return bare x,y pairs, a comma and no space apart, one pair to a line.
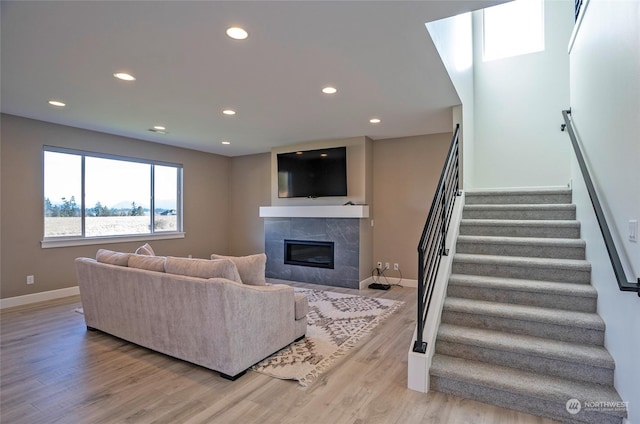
313,173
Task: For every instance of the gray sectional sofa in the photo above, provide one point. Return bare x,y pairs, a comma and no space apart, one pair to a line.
196,310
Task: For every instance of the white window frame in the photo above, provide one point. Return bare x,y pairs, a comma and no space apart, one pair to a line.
81,240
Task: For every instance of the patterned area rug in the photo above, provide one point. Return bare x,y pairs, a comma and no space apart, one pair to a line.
335,324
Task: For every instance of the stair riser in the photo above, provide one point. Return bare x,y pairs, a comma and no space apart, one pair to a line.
519,231
530,405
530,251
530,328
544,300
519,214
529,272
529,362
527,199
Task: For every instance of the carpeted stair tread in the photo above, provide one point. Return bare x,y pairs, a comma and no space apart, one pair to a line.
584,320
525,196
544,269
565,248
533,241
546,294
533,286
544,223
520,211
570,264
518,343
524,383
544,228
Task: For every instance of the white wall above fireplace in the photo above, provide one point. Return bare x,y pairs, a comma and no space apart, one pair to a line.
320,211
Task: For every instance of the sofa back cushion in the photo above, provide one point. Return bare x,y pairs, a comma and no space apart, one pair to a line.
251,268
150,263
112,258
202,268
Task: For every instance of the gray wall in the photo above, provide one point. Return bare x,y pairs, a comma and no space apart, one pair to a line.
605,105
206,211
221,200
517,109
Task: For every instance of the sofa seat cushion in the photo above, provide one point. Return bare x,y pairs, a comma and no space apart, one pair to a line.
150,263
251,268
202,268
112,258
301,306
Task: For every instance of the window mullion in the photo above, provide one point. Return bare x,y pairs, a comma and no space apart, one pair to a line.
82,197
152,208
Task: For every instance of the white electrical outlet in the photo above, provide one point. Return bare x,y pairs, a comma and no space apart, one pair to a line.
633,230
396,267
379,265
30,279
386,265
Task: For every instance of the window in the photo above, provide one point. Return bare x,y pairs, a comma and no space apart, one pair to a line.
89,195
513,29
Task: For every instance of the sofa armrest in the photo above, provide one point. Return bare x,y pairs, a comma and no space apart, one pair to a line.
264,315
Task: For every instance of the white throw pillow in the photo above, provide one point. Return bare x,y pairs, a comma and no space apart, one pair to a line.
145,249
251,268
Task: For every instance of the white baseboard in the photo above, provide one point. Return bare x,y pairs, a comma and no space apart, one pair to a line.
404,282
38,297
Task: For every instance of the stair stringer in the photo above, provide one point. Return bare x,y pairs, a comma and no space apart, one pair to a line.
419,363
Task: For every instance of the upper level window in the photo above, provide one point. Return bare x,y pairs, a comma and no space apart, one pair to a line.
513,29
88,195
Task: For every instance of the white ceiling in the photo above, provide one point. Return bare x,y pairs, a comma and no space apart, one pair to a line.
377,53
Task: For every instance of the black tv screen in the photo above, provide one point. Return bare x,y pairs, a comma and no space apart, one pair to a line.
313,173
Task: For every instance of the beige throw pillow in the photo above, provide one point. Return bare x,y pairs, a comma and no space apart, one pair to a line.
113,258
150,263
145,249
202,268
251,268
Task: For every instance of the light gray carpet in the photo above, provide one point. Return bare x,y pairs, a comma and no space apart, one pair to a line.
519,324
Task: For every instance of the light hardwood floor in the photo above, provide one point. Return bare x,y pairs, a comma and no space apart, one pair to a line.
54,371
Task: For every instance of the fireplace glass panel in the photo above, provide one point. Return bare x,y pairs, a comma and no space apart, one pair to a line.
309,253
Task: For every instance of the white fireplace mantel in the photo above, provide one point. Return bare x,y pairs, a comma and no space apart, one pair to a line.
323,211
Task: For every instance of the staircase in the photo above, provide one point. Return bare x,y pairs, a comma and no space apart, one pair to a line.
519,325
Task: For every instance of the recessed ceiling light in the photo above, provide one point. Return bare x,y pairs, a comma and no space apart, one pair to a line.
226,142
324,155
329,90
375,120
229,112
124,76
157,131
159,127
237,33
298,153
57,103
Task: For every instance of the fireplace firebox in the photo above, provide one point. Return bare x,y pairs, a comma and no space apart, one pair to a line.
317,254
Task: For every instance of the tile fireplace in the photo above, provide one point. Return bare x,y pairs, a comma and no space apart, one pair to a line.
328,245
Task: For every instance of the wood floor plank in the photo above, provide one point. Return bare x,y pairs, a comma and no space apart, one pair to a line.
54,371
